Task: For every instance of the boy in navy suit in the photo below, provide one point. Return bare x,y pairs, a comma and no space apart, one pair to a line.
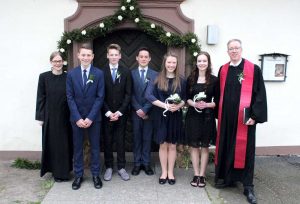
142,125
85,95
117,99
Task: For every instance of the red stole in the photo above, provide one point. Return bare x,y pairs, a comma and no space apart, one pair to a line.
245,100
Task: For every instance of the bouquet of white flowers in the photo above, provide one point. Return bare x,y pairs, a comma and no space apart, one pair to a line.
199,97
173,98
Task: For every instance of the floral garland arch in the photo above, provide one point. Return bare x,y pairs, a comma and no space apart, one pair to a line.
128,10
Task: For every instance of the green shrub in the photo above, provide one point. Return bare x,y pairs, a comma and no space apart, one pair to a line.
23,163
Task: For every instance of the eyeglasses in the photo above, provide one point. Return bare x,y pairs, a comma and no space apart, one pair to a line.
234,49
56,61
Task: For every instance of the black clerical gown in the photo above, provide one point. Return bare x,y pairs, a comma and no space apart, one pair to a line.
231,100
52,108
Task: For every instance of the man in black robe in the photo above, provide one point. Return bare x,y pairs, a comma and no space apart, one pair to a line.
241,86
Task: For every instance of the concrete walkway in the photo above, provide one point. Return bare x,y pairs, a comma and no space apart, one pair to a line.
139,189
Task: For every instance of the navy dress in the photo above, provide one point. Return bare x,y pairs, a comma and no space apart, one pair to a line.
170,128
200,128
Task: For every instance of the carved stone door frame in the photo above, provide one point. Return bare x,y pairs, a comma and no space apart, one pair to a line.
166,13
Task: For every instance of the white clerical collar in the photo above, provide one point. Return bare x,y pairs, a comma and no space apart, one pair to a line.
236,64
113,66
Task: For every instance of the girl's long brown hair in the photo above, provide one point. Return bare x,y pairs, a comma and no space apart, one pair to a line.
193,78
162,80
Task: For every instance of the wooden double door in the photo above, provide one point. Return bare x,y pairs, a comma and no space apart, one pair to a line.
130,41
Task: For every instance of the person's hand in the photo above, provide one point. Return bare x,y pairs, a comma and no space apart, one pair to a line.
80,123
250,122
140,113
174,107
145,117
88,122
201,105
114,116
40,122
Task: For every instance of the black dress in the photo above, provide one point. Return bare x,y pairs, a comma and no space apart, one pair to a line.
52,108
200,128
167,128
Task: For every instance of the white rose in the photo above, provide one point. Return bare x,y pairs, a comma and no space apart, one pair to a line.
62,50
131,8
123,8
83,32
152,25
136,20
193,40
69,41
128,1
120,18
101,25
65,63
195,54
168,34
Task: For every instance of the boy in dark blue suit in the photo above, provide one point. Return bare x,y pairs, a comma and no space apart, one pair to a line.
85,94
142,125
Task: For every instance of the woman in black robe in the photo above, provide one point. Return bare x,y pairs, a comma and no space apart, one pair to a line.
52,112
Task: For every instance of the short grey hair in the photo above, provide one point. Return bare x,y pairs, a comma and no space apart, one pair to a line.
234,40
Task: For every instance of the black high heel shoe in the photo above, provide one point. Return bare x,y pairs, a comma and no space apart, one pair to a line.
172,181
162,180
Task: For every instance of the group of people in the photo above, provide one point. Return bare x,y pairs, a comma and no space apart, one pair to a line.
92,98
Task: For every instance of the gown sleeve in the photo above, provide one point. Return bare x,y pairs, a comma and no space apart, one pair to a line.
259,98
41,99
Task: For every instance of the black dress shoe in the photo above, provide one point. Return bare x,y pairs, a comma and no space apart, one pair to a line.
162,180
172,181
224,185
97,182
249,193
77,183
58,180
148,170
136,170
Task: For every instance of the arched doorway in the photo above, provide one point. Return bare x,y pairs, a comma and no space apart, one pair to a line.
130,41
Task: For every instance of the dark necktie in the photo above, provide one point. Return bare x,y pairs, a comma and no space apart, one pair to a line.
113,74
142,75
84,78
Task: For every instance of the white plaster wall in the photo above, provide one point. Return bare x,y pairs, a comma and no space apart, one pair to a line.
30,29
264,26
28,34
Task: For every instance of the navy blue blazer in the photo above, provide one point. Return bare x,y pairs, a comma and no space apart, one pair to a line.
85,102
138,100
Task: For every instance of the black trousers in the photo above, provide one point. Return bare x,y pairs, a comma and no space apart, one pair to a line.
114,132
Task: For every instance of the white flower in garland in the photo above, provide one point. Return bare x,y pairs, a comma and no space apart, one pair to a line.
69,41
137,20
101,25
152,25
83,32
62,50
128,1
65,63
131,8
195,54
193,40
168,34
120,18
123,8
